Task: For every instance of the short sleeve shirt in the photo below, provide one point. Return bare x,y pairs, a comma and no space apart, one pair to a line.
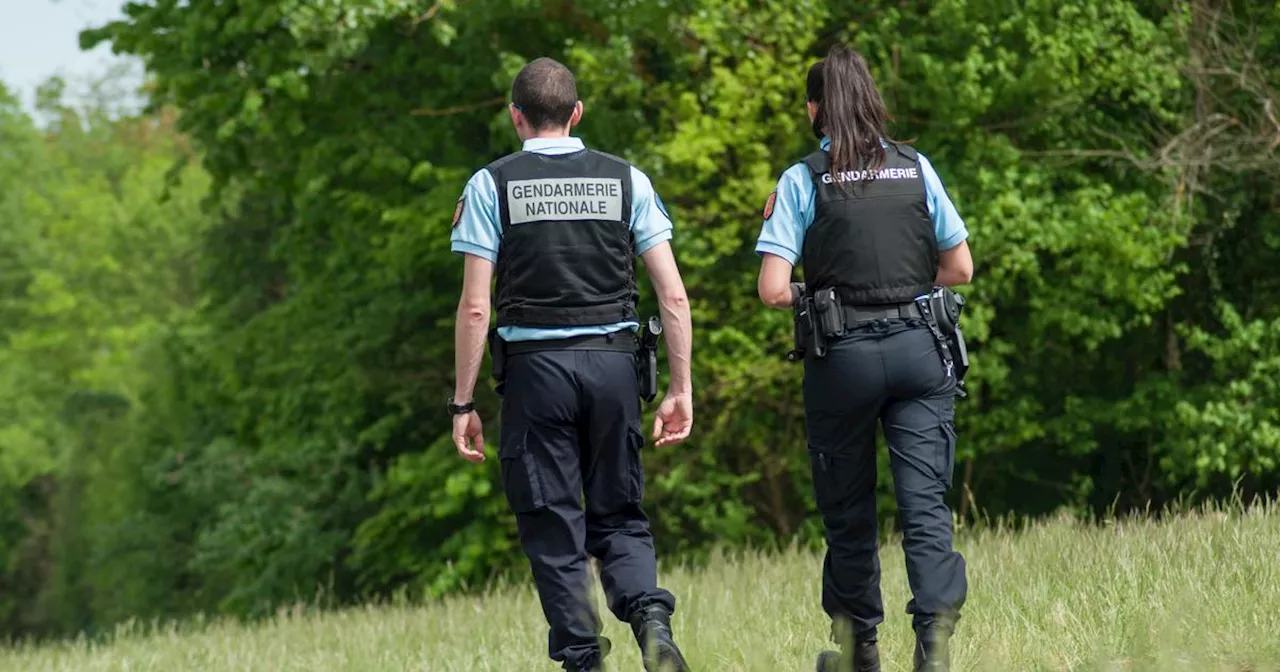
478,231
793,207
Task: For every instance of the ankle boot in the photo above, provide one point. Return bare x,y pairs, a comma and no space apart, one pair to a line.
652,628
932,648
865,657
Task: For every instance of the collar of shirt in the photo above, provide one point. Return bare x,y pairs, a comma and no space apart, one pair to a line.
565,145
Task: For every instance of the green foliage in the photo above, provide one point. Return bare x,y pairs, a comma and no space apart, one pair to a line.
96,265
429,501
1231,426
229,398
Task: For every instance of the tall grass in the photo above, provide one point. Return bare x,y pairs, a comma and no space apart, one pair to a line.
1199,591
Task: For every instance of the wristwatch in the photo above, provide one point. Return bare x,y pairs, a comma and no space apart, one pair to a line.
455,409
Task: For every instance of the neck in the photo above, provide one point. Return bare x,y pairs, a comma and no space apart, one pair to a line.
550,133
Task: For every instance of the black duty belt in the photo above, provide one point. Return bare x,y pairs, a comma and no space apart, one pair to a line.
616,342
859,314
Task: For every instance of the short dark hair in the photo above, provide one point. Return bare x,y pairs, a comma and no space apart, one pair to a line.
546,93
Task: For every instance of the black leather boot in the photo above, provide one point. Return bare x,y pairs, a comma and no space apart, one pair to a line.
652,628
858,652
865,657
932,648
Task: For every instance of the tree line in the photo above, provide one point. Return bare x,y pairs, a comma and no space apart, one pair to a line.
226,321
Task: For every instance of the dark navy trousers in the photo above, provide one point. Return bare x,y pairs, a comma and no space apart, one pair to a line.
570,432
888,373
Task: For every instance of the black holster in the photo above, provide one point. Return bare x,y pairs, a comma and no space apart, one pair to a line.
647,358
498,358
810,334
942,309
959,354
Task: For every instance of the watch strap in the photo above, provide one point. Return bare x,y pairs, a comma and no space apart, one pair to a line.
461,409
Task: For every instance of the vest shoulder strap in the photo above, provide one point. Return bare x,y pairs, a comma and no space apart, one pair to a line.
906,151
818,162
610,157
496,165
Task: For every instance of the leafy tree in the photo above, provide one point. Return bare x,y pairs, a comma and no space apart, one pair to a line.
243,400
95,266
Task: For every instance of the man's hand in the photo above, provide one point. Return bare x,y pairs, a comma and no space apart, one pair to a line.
674,419
468,436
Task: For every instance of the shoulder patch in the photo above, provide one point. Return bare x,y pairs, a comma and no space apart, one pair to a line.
457,212
768,204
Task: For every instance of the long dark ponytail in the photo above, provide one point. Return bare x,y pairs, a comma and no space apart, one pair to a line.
850,110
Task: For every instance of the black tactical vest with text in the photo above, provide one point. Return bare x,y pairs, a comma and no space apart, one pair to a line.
873,239
567,257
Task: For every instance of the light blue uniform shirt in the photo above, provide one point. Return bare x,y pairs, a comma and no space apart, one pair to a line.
783,232
479,231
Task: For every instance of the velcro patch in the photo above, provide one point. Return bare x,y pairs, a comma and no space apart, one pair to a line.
457,213
768,205
566,199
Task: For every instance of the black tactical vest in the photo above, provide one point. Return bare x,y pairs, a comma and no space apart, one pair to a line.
873,240
567,258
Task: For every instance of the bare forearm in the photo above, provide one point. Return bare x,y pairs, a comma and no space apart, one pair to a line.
774,285
777,300
782,298
955,266
470,330
951,277
677,328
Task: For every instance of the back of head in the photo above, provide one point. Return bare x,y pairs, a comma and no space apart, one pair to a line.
546,93
850,110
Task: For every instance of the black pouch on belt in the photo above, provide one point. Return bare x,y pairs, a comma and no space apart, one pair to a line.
813,325
808,334
830,313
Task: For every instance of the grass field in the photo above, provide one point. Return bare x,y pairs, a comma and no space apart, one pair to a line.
1197,592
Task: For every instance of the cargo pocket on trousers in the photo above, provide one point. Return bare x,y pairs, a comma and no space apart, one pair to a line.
521,478
635,470
946,461
829,489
